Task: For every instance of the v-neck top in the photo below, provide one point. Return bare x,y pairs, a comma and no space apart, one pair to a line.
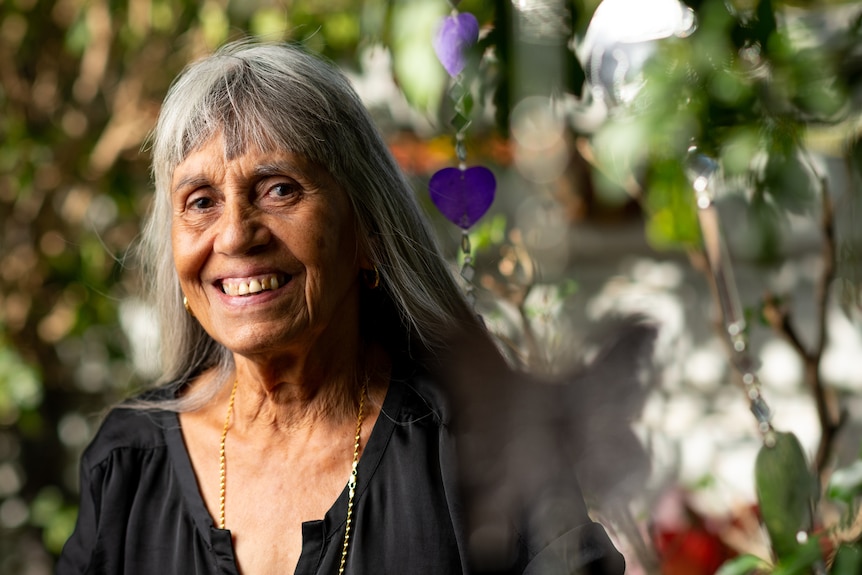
141,510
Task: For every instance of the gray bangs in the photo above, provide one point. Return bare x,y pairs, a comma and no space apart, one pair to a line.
265,103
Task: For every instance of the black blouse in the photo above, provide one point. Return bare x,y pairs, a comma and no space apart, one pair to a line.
141,511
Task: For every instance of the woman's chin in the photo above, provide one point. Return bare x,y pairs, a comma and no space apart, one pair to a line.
258,340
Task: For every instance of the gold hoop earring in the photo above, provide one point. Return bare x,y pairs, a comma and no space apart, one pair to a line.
187,306
371,281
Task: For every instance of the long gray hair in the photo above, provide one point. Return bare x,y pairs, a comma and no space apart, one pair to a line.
281,97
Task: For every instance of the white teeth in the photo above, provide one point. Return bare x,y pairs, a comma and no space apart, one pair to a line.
252,286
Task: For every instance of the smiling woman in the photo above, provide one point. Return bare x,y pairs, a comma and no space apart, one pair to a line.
300,423
298,224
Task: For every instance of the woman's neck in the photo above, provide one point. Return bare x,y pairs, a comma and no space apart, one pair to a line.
305,389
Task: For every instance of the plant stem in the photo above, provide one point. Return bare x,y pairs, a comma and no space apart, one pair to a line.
778,318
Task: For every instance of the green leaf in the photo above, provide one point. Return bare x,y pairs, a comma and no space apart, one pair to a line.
743,565
489,232
785,490
215,24
740,145
801,561
58,530
21,386
342,29
46,505
670,202
271,22
848,560
417,70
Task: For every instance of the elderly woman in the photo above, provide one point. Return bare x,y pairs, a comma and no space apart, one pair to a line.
304,309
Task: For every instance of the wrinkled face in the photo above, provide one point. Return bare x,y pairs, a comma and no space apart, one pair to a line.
266,250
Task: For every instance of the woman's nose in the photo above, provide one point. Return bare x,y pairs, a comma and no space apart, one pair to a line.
241,229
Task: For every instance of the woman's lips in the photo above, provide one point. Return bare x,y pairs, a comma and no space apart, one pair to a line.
253,285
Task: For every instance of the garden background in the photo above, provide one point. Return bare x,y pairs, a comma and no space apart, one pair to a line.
595,216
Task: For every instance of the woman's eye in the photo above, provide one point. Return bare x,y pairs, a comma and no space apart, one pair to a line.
201,203
284,190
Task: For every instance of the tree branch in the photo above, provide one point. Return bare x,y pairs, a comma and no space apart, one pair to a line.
830,421
778,318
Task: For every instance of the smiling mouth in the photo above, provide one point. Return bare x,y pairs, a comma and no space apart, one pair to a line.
250,286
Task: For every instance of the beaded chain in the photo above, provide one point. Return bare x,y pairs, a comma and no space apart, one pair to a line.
351,482
221,457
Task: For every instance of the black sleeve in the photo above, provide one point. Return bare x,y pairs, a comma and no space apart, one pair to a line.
78,551
560,536
584,550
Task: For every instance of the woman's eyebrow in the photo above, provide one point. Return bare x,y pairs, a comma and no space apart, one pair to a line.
195,180
276,168
281,168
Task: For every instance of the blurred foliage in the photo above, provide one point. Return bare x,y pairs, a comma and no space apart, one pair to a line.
788,496
82,82
81,87
746,91
764,88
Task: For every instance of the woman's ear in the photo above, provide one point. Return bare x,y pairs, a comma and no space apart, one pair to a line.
365,250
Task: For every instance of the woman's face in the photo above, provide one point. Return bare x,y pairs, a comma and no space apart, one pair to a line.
266,250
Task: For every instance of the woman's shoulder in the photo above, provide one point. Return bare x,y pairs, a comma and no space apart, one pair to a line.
135,424
423,395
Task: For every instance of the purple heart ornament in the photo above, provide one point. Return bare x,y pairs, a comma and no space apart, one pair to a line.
463,196
455,34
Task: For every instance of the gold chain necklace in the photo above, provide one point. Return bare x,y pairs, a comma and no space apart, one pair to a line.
221,457
351,482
